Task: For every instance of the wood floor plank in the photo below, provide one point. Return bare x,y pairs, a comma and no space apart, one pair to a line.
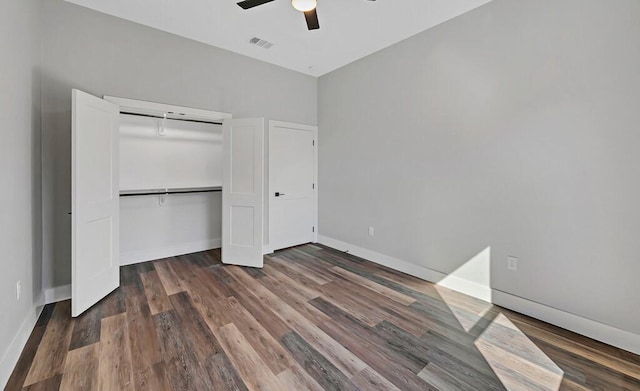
314,269
406,343
20,371
86,330
129,276
223,374
51,384
115,371
288,294
370,380
304,290
45,315
214,257
316,365
168,277
212,308
222,281
380,360
143,339
200,337
296,378
153,378
443,380
157,298
254,272
292,270
438,318
375,287
201,259
367,339
184,269
301,270
182,367
586,372
81,369
255,306
340,297
517,372
385,308
269,349
347,362
52,351
471,353
313,318
113,304
254,372
620,365
217,282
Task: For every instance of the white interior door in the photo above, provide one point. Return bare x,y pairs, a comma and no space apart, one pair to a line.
95,201
291,184
242,192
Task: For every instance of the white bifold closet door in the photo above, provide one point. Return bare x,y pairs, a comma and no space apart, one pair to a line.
243,192
95,201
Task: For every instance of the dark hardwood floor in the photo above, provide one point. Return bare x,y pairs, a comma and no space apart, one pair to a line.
312,319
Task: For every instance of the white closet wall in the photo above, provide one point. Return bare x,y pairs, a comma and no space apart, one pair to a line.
168,154
187,154
186,223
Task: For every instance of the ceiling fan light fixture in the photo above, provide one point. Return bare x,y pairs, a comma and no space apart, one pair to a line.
304,5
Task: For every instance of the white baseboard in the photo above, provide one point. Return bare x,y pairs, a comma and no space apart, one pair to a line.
267,249
60,293
590,328
56,294
12,353
452,282
587,327
133,257
469,288
385,260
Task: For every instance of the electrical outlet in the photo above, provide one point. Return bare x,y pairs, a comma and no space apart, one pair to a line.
512,263
370,231
18,289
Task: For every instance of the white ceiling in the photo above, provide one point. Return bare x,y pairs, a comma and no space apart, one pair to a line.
349,29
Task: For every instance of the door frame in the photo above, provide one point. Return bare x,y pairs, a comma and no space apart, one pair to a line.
156,109
296,126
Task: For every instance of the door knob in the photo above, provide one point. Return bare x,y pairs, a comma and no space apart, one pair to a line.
278,194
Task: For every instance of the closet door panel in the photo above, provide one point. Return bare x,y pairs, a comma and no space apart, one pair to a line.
95,201
242,194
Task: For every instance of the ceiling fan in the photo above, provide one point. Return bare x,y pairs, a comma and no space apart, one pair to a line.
308,7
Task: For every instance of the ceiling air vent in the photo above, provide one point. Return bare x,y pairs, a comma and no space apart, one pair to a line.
260,42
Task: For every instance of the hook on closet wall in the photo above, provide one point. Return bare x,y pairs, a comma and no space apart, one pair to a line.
161,130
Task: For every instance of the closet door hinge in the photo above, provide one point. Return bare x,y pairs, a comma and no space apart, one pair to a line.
313,186
313,229
313,143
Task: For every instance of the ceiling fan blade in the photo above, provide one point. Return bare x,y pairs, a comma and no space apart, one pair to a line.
312,19
246,4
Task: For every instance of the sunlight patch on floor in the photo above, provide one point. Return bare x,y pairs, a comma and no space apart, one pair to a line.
517,362
515,359
473,278
468,313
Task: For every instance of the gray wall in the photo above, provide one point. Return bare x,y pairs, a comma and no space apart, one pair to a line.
514,126
103,55
20,233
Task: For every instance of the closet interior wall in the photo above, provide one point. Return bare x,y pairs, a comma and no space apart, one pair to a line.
169,155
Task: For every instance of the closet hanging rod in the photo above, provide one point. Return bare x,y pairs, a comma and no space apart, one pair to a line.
169,192
200,121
